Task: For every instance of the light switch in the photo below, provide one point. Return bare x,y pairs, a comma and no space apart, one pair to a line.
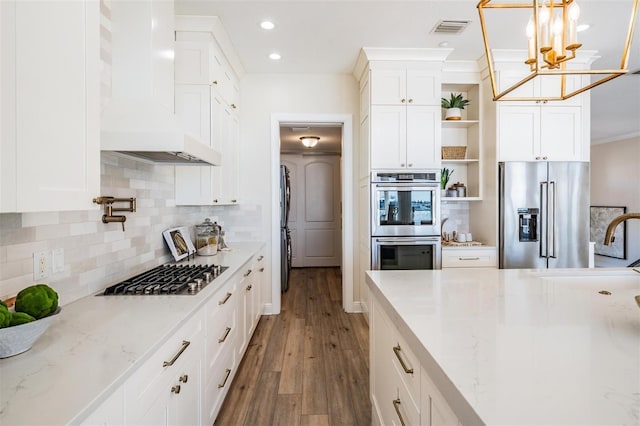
57,261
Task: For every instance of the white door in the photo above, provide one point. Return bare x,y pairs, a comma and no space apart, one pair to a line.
315,220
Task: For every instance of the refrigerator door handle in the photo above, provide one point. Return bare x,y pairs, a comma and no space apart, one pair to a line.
544,216
552,188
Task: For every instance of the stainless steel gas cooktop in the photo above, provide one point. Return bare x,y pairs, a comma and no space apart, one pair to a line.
167,279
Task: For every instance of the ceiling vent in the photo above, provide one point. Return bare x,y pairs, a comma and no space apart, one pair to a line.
450,26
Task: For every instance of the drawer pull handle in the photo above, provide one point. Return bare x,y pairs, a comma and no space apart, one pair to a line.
468,258
396,405
396,350
247,273
260,258
224,337
175,389
226,377
185,345
226,297
183,378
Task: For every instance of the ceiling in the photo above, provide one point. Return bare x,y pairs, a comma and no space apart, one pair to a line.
325,36
330,138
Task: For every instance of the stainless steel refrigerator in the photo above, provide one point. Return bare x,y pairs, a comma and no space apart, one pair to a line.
544,215
285,235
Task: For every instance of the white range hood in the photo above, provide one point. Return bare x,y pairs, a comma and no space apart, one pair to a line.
138,120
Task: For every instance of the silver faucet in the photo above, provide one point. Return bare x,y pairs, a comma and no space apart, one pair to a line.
608,236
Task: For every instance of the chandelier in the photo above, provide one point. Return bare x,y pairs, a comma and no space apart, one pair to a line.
552,38
309,141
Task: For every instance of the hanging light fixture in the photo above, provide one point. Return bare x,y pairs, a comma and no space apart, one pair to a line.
552,42
309,141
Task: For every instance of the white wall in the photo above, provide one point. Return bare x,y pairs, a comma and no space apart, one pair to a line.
265,94
615,181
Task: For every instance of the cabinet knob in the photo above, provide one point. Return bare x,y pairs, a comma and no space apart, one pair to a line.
214,82
401,164
403,100
544,158
249,287
234,106
537,158
410,100
234,201
175,389
410,164
183,378
215,200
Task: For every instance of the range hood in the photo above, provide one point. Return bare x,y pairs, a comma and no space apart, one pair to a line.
138,119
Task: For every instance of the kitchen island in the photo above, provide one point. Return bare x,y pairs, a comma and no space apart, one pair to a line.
508,347
97,343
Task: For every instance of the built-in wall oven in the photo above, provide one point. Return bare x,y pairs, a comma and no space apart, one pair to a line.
405,220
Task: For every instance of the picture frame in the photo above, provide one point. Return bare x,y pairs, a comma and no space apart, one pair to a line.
600,217
179,242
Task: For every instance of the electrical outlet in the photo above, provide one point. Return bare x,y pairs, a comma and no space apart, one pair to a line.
41,265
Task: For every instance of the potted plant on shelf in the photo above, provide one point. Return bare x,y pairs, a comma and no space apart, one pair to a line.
454,106
445,175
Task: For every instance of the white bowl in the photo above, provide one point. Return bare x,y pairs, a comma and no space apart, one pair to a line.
19,338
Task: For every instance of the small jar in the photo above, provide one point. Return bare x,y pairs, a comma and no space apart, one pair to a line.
462,191
206,238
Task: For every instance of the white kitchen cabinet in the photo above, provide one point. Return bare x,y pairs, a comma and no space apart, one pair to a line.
469,257
109,413
405,86
166,389
222,338
249,290
405,137
540,132
50,105
402,391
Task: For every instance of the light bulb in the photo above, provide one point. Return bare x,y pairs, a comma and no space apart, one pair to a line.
544,14
574,11
530,27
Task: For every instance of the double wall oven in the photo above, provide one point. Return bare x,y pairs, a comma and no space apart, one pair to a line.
405,220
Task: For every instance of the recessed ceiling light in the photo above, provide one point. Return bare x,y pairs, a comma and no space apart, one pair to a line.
275,56
582,27
443,44
267,25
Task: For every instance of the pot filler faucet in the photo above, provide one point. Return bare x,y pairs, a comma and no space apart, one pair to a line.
608,236
108,215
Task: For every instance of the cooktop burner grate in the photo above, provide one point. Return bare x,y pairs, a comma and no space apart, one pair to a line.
167,279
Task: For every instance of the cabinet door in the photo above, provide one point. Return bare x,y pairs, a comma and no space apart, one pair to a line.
560,133
388,87
228,171
518,133
388,137
193,109
423,137
185,404
423,87
55,137
191,62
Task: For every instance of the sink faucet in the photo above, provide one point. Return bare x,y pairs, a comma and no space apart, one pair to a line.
608,236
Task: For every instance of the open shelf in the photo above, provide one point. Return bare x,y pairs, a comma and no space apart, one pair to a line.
458,124
462,161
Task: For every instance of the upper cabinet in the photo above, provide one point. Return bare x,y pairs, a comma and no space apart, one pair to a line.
405,116
405,86
207,103
50,105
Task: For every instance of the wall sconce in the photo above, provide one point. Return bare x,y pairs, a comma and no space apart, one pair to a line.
108,215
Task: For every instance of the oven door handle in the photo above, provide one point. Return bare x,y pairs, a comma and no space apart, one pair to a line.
405,240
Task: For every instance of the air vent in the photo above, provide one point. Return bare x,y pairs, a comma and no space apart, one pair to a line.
450,26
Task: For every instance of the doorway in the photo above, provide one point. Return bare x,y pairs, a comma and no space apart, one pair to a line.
322,219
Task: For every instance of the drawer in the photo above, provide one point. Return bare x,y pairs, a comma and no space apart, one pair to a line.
218,384
406,368
222,302
220,335
469,257
154,378
403,410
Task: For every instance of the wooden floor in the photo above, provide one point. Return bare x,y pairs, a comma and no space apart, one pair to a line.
307,366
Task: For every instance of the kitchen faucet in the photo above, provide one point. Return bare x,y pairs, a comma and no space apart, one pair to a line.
608,236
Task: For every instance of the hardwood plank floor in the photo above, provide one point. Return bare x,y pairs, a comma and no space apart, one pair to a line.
307,366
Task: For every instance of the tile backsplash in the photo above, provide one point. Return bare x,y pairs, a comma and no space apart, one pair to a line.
98,254
457,215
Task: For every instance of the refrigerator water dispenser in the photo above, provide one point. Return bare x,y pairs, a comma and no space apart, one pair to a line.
527,224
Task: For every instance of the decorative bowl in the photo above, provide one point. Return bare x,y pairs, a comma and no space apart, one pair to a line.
19,338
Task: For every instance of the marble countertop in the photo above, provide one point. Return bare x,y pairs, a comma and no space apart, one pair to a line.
515,347
94,345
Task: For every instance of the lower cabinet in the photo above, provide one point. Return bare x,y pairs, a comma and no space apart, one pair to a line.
469,257
165,390
402,392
